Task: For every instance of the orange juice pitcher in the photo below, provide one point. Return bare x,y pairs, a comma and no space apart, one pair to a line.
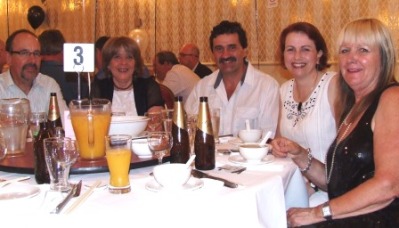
90,122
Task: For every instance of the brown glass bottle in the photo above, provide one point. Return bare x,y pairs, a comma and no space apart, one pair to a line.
204,143
54,117
180,151
40,167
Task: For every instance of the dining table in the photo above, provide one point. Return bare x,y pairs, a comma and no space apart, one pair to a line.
265,191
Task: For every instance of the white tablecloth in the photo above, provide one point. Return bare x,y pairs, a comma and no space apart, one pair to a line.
267,191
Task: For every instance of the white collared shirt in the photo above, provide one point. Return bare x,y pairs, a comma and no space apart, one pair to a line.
257,97
181,80
39,94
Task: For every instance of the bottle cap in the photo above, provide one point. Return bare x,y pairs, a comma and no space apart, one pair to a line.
203,99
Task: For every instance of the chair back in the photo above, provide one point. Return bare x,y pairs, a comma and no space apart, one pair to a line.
167,95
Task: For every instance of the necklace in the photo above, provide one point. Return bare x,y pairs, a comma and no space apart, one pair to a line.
125,88
347,126
299,96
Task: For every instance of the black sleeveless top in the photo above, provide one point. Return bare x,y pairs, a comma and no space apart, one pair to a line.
353,165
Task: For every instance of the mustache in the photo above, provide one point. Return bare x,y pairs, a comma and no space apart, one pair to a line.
232,59
30,65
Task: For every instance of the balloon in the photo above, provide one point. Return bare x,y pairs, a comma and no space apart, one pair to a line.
141,37
35,16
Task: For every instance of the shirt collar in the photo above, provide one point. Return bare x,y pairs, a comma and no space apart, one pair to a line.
220,76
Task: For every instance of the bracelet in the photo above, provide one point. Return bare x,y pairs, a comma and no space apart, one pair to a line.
310,158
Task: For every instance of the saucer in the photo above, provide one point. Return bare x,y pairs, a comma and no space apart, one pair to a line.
238,159
236,141
192,184
18,191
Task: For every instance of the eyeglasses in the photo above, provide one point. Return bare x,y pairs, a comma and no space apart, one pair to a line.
26,54
184,55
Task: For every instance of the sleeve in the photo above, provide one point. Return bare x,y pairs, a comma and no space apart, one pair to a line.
154,96
192,103
269,119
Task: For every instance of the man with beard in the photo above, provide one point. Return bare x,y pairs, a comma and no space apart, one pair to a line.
22,79
237,88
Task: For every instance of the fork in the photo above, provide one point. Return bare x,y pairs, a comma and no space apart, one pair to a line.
75,192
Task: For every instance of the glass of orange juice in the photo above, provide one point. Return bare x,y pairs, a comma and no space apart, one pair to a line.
118,154
90,121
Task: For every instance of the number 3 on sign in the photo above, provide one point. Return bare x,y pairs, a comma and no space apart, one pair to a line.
78,57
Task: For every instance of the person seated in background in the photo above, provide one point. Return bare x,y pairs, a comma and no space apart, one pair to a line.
3,56
125,86
307,100
189,56
99,44
237,88
361,171
23,79
52,64
175,76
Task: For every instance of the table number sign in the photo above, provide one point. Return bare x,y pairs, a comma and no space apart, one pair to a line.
78,57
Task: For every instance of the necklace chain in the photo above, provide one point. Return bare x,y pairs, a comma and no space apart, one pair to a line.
347,127
126,88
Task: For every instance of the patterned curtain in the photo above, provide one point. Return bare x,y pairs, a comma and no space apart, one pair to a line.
171,23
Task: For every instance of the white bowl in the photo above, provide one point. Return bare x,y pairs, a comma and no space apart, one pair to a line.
253,152
130,125
140,148
250,136
172,175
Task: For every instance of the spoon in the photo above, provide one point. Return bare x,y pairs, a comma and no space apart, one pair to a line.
247,125
188,163
264,140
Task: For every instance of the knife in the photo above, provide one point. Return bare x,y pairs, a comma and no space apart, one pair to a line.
61,205
199,174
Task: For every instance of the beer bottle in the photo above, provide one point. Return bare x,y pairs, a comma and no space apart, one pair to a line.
180,151
204,144
40,167
54,117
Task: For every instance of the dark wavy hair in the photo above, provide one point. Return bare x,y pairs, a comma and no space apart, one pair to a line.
112,47
313,33
228,27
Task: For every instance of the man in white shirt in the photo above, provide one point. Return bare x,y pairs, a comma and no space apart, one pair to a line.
237,88
23,79
178,78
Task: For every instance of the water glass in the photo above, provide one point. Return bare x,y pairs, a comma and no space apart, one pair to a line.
35,119
60,154
215,119
118,153
191,128
155,121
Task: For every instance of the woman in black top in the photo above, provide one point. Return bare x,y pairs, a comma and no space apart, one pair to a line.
127,89
361,173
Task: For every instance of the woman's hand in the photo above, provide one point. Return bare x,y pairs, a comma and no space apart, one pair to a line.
282,147
304,216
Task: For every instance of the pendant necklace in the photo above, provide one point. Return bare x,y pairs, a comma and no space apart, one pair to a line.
347,126
299,108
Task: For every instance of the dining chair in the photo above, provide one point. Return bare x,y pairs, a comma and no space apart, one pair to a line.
167,95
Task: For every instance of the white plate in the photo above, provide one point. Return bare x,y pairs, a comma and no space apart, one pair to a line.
238,159
18,191
192,184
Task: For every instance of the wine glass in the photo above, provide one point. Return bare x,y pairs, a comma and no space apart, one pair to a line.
159,143
155,121
60,153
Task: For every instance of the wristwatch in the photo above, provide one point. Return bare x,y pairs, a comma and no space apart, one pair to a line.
326,210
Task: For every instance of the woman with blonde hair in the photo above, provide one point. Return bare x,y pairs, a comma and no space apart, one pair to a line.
361,172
